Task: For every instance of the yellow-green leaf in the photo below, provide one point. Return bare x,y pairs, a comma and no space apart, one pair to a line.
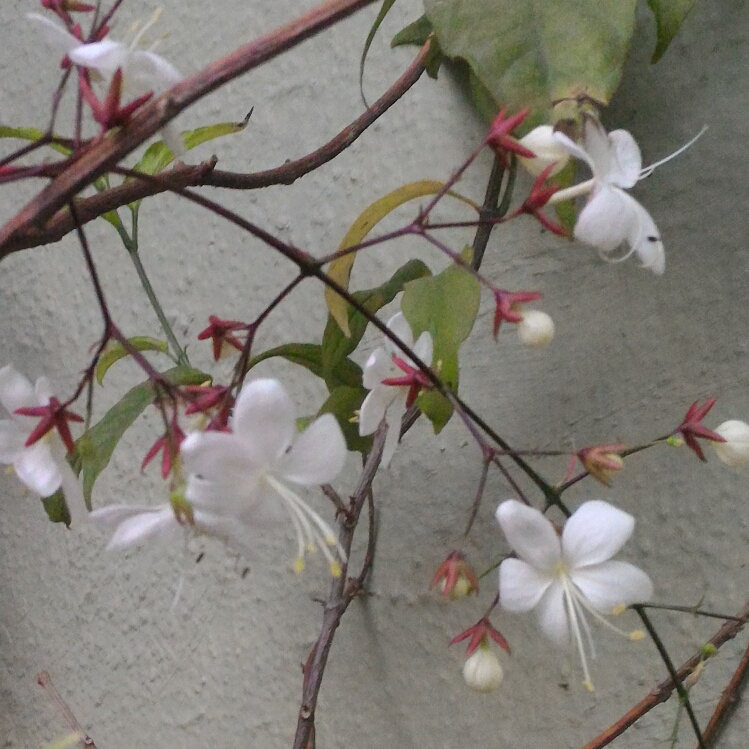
340,269
669,15
32,134
57,508
116,351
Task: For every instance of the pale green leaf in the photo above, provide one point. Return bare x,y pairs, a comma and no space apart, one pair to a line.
384,10
669,15
116,351
32,134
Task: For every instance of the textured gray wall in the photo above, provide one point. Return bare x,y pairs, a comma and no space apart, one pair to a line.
632,351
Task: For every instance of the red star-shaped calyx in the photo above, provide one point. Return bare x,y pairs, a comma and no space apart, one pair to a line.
538,197
109,113
52,416
415,380
502,142
692,428
506,306
221,333
169,443
67,6
479,633
455,577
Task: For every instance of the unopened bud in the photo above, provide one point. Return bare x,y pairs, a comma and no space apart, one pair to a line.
482,671
536,328
734,451
602,461
455,577
548,151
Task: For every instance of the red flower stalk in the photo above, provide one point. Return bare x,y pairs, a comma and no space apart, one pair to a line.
67,6
502,142
221,333
507,306
480,632
692,428
538,197
456,577
52,416
414,379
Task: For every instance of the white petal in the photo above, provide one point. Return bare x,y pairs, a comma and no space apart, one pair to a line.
108,518
228,497
147,71
15,390
174,140
398,325
595,532
599,147
12,440
645,240
318,454
552,615
43,390
424,348
216,456
530,534
264,419
374,407
378,367
105,57
573,149
627,159
146,525
521,586
548,151
734,451
392,437
611,584
36,468
608,219
61,39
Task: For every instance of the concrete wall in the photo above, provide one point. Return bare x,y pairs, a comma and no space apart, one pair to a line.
632,351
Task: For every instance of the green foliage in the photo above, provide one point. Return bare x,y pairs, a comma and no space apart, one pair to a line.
418,33
384,10
57,508
445,306
669,15
116,351
94,449
310,356
536,52
343,402
32,134
335,345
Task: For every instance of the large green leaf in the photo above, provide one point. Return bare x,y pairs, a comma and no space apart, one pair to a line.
336,346
343,403
445,306
310,356
536,52
94,449
669,15
418,33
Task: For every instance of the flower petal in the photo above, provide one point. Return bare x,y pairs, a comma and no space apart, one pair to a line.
645,240
105,57
318,454
378,367
611,584
530,534
147,71
61,39
552,615
15,390
373,408
573,149
36,468
608,219
599,148
424,348
216,456
398,325
627,161
595,532
521,586
264,420
159,523
12,440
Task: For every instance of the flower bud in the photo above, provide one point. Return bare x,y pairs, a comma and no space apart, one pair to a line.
536,328
735,450
455,577
548,151
482,671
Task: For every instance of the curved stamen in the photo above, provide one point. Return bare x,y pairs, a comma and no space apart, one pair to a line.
648,170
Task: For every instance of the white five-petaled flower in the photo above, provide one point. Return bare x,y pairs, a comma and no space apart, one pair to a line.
244,474
611,216
565,577
41,466
385,401
735,450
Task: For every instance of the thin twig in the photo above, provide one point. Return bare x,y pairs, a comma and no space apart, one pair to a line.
44,680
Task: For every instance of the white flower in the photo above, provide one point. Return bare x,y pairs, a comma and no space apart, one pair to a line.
611,216
548,151
564,578
536,328
41,466
735,450
482,671
389,402
244,474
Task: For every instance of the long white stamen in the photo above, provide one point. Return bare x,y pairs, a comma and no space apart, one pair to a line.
139,35
572,192
575,626
648,170
606,256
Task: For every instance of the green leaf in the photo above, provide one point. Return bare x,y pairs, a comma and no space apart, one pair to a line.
335,345
57,508
32,134
415,33
536,52
94,449
310,356
343,402
669,15
445,306
384,10
116,351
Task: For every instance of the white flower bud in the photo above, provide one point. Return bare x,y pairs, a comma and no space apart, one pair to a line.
548,150
536,328
735,450
482,671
